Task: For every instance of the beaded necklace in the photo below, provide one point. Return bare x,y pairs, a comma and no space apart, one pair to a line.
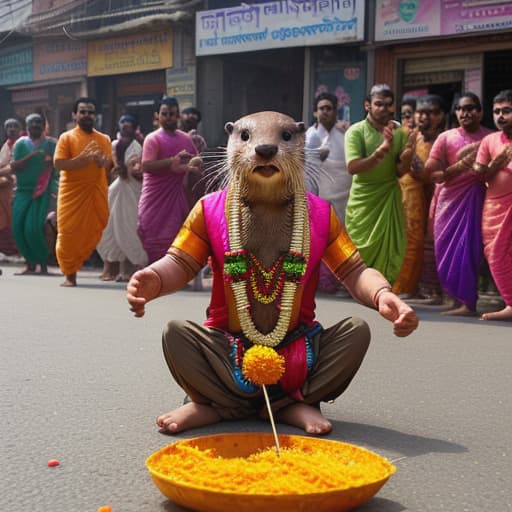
236,268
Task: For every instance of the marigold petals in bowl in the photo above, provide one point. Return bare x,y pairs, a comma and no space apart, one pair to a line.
212,473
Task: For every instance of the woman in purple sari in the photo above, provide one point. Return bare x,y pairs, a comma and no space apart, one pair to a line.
458,211
168,154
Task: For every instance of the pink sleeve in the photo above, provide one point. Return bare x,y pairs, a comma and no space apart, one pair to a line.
150,149
483,156
438,151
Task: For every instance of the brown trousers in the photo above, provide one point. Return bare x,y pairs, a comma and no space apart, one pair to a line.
199,360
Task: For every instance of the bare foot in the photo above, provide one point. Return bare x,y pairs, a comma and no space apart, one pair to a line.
69,281
28,270
503,314
462,310
306,417
187,416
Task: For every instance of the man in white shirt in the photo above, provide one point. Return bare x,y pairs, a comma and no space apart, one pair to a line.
325,149
326,174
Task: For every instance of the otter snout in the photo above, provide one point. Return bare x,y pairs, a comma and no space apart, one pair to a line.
266,151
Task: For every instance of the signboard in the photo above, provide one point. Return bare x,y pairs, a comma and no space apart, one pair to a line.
181,83
129,54
278,24
406,19
59,58
474,16
16,65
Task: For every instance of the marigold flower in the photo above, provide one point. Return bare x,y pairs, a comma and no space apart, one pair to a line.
262,365
300,469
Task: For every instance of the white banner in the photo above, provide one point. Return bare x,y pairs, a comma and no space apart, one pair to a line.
279,24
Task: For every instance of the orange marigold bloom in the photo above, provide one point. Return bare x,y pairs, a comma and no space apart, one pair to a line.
263,365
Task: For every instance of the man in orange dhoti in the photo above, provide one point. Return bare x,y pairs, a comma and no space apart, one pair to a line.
84,156
494,163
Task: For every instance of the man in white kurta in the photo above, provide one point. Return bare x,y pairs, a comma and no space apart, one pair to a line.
326,151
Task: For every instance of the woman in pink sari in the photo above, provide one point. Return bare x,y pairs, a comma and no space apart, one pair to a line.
167,155
458,206
493,161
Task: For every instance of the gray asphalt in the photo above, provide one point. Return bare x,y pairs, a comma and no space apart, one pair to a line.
81,381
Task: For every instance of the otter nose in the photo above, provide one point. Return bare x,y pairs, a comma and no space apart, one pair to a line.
266,150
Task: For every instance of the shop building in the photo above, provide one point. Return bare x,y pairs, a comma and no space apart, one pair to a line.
126,55
445,48
278,56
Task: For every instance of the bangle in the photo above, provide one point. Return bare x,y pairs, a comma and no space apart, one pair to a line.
378,293
479,168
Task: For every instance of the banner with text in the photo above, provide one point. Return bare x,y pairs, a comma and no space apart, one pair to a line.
130,54
59,58
279,24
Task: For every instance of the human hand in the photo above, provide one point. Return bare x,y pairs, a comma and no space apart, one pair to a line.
143,286
323,152
397,311
184,157
468,150
502,158
385,146
196,165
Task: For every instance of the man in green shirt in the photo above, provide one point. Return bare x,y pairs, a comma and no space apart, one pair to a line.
377,152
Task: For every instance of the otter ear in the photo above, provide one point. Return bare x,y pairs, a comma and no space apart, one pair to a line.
300,126
228,127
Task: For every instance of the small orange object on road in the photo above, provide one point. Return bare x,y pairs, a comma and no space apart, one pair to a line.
53,462
106,508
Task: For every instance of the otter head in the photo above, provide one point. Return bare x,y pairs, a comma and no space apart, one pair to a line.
265,155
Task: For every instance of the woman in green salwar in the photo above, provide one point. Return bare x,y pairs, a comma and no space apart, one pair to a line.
377,152
35,182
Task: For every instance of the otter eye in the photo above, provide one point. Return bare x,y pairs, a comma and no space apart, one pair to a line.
287,136
244,135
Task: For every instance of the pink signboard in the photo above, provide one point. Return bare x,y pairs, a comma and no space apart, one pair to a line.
413,19
459,17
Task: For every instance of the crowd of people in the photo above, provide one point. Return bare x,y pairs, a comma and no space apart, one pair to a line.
428,206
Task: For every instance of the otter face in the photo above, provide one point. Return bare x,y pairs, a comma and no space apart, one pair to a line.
266,155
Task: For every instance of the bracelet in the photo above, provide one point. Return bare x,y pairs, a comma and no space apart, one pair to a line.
479,168
378,293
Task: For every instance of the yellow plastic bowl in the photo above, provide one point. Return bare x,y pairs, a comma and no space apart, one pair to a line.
208,499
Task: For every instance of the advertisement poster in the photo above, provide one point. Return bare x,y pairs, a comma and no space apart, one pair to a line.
407,19
278,24
463,16
347,82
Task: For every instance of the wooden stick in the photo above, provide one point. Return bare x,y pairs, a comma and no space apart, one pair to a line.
271,416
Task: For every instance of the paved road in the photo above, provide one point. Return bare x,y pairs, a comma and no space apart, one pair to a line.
81,381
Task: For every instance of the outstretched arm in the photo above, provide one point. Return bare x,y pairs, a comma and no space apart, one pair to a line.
163,277
370,287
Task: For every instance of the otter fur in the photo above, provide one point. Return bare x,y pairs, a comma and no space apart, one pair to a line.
265,155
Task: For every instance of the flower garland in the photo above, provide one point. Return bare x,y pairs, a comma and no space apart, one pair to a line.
236,268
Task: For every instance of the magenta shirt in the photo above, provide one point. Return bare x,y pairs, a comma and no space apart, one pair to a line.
163,204
489,149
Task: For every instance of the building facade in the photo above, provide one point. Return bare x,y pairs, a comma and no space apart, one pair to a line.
231,58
